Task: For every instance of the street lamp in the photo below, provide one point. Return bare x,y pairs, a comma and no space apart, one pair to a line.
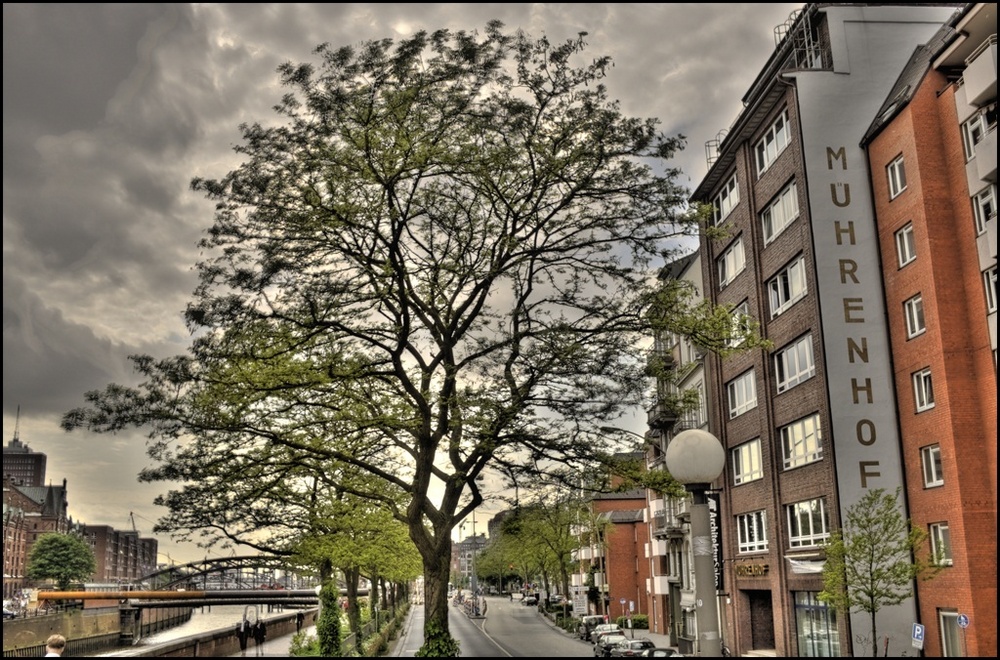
696,458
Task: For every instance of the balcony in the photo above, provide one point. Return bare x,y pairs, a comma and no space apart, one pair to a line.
659,362
661,417
980,75
986,157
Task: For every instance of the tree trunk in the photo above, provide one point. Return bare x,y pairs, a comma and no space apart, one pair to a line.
352,576
438,641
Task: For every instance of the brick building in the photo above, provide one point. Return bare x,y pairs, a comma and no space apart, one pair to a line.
933,160
809,424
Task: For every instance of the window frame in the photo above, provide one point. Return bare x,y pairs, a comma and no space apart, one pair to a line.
747,452
740,321
940,537
781,293
778,135
791,356
932,466
804,448
984,207
777,215
906,245
913,312
798,538
896,173
723,265
923,389
751,532
990,289
727,200
743,385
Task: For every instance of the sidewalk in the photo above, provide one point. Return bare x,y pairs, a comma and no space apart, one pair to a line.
278,647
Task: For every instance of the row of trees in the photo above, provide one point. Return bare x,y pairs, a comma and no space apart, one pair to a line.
442,257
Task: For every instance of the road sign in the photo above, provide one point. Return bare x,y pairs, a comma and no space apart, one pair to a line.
918,636
963,621
621,601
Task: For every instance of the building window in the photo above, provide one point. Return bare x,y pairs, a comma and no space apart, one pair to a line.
726,201
808,524
976,128
906,249
740,325
794,364
990,285
801,442
951,634
773,143
940,544
742,394
914,311
897,177
731,263
930,459
923,390
751,531
984,207
787,287
780,213
747,464
816,626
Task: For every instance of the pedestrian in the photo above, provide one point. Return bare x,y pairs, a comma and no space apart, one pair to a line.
259,634
54,646
299,619
243,633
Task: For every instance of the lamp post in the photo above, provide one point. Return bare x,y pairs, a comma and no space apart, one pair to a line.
696,458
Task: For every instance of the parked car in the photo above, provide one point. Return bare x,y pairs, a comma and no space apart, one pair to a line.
660,652
530,599
631,648
587,624
602,649
604,629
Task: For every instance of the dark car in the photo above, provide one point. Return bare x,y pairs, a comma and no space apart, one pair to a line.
660,652
587,624
631,648
602,649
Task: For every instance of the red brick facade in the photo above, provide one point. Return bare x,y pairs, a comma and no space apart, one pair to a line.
955,347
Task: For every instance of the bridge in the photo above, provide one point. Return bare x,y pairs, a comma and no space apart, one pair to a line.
141,599
237,572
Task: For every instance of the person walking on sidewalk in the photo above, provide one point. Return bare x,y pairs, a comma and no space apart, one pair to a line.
259,635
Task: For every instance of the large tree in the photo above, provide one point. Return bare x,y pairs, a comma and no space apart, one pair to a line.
64,558
441,256
873,560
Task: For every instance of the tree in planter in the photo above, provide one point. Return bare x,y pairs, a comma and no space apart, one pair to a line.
328,624
64,558
872,561
442,259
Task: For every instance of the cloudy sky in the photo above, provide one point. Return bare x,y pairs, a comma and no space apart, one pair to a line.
109,111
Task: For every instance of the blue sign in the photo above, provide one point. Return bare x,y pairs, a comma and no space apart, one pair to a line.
963,621
918,632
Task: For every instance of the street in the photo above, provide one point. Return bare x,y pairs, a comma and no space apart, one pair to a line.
509,629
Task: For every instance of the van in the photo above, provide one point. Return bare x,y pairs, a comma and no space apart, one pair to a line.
588,623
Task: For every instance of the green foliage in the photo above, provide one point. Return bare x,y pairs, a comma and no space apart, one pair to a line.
438,642
872,561
304,644
328,625
64,558
439,258
639,622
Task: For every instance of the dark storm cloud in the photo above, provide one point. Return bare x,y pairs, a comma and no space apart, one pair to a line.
110,110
